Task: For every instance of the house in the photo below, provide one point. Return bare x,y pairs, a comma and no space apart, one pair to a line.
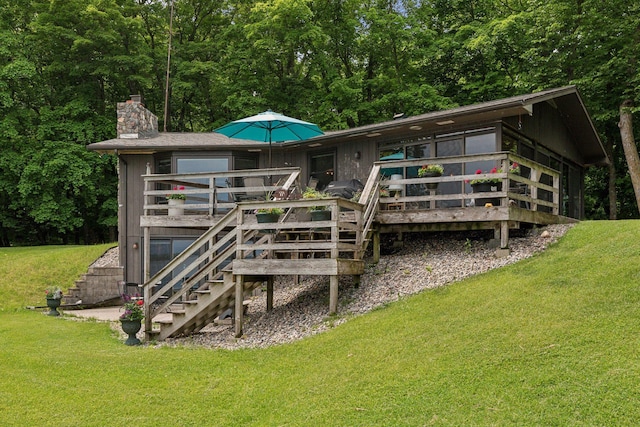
548,135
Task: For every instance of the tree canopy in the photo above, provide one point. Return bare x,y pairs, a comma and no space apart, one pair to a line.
337,63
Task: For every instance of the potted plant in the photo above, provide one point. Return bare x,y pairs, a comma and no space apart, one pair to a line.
131,319
431,171
176,199
489,185
268,214
318,212
53,294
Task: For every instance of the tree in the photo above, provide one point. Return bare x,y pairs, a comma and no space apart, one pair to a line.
629,145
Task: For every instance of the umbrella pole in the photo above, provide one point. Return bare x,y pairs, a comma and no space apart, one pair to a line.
270,156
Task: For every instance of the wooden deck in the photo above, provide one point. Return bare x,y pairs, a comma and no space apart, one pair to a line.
295,245
449,203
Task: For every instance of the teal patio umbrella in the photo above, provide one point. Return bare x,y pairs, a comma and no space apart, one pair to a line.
270,127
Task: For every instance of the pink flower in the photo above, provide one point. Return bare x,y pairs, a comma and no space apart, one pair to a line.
494,170
479,171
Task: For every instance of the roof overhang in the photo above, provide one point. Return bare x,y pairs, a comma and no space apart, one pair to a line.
567,100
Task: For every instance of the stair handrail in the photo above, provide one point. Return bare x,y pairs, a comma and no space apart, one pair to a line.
150,298
210,257
369,198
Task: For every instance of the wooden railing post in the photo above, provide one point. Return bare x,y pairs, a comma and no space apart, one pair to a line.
505,181
556,195
212,195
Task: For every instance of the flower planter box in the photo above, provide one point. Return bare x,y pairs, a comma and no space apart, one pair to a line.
266,218
131,328
487,187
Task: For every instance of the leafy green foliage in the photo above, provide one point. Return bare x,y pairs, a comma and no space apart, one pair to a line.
64,66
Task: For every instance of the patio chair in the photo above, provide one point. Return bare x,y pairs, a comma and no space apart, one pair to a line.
252,181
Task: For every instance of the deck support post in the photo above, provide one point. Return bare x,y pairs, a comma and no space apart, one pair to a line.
503,250
239,309
376,246
333,295
270,293
504,234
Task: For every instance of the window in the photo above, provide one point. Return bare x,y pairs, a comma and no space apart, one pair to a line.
322,168
457,143
419,151
164,250
452,147
242,163
205,164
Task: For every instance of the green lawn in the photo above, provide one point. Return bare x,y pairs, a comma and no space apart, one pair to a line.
552,340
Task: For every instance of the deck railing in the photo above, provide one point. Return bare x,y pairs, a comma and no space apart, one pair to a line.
213,193
296,233
535,188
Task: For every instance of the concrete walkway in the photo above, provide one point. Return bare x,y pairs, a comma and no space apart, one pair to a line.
106,314
103,313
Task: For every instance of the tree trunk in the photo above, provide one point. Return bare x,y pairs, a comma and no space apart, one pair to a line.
613,198
629,145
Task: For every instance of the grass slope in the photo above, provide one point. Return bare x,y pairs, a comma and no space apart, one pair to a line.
551,340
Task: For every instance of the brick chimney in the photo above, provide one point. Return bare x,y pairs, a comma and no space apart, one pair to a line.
135,121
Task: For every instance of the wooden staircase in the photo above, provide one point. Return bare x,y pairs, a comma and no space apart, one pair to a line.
206,305
197,294
237,255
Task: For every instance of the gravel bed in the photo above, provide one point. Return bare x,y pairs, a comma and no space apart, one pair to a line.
108,259
426,261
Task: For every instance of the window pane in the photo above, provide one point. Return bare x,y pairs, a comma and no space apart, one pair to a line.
322,168
393,153
478,144
160,254
450,148
245,163
417,152
241,163
206,164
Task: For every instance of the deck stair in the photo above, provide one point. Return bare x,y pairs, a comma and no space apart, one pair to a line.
197,294
238,254
199,284
205,306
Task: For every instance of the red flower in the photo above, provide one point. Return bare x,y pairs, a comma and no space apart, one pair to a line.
140,302
494,170
479,171
179,187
